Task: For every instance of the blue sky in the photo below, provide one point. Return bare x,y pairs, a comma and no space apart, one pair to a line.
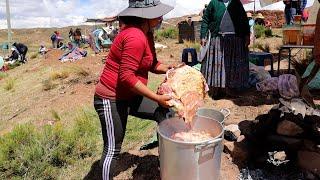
59,13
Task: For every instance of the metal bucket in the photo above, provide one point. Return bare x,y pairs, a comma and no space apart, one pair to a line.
190,160
214,114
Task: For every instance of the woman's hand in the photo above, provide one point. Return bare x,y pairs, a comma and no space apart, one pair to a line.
203,42
163,68
176,65
143,90
163,100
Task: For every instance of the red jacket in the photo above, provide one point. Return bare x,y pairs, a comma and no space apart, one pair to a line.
130,59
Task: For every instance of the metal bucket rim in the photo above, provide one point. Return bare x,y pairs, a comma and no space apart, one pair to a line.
192,143
216,111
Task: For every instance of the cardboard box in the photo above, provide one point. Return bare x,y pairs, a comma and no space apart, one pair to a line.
292,35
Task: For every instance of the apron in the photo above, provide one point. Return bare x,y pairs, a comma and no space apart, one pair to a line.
226,28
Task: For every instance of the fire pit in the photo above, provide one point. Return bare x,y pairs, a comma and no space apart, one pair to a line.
288,134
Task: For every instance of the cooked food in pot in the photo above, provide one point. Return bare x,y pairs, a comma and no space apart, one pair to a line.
192,136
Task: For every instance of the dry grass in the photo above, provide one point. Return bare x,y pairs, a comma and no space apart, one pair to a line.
9,84
263,47
189,44
55,115
34,55
48,85
54,75
3,75
79,71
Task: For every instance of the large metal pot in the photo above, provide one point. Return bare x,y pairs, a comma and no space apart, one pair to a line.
214,114
190,160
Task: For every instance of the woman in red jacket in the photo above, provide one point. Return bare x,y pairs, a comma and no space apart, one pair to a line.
123,82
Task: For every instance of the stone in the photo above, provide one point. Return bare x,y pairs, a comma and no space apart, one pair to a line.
234,129
237,151
228,147
246,127
281,156
285,142
288,128
309,161
277,158
241,138
310,176
309,145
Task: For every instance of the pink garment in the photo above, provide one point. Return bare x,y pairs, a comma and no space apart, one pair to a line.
268,85
286,85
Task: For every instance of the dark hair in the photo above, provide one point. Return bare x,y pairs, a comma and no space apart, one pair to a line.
131,20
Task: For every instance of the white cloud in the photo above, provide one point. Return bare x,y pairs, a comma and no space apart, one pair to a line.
58,13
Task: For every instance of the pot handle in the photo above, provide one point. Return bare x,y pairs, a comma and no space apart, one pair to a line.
207,144
226,112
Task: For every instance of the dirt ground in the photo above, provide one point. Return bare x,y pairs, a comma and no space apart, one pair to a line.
30,103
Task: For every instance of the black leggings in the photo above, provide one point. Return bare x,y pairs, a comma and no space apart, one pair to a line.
113,116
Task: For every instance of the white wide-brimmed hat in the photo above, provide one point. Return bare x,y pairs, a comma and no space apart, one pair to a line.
260,16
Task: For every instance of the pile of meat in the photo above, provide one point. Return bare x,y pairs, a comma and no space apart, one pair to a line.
187,87
192,136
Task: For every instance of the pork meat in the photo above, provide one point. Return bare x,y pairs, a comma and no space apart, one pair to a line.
187,87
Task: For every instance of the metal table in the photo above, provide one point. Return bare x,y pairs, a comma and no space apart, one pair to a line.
289,48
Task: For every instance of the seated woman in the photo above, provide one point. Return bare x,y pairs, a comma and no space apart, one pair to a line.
259,20
15,55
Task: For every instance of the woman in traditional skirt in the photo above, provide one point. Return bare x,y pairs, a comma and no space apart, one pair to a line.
226,66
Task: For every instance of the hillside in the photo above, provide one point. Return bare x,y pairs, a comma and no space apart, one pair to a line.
49,129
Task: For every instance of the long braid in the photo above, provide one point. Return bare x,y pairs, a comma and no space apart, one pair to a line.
152,46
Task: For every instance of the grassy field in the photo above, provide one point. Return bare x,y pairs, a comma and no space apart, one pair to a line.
49,128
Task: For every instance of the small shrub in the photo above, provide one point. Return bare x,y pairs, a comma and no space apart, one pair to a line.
259,31
59,75
78,71
9,84
55,115
168,33
268,32
34,56
48,85
3,75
